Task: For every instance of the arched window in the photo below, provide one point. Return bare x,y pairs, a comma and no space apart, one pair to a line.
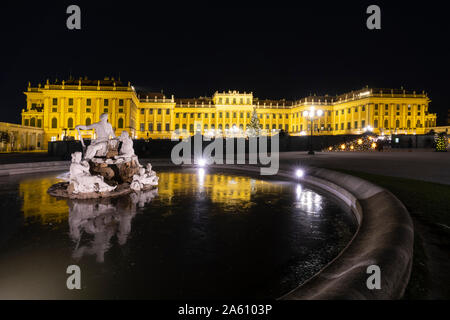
33,122
408,124
120,123
54,123
418,124
397,123
227,126
88,121
386,124
27,122
70,123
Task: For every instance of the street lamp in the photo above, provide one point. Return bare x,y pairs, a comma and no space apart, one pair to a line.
311,114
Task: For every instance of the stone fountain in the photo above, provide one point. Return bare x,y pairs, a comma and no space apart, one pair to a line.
109,167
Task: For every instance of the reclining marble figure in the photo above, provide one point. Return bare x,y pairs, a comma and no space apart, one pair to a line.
82,180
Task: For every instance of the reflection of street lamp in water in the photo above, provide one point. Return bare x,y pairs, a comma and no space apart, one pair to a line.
311,114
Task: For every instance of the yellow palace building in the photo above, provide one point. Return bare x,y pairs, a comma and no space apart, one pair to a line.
56,108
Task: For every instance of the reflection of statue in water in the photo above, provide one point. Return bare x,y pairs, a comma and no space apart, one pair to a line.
103,131
81,181
103,220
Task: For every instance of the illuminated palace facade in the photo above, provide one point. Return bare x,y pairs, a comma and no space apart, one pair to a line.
58,107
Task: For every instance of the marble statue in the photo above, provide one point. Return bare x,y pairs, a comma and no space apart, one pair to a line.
81,179
103,131
146,177
126,151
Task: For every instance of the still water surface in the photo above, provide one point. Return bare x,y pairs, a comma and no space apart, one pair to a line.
199,235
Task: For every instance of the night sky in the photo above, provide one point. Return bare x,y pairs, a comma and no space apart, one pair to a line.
277,50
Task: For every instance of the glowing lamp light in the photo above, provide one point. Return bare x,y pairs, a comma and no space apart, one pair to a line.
360,141
305,113
330,148
343,146
319,113
202,162
374,145
299,173
351,147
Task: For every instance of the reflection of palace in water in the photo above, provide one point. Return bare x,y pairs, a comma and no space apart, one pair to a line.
219,187
38,204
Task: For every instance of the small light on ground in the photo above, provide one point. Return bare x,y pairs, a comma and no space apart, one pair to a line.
299,173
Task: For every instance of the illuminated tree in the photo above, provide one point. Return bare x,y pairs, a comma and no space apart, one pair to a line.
441,142
254,127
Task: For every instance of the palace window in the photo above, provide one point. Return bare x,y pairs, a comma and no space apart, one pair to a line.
336,127
286,127
120,102
27,122
227,101
375,124
159,111
364,108
39,123
220,100
287,116
199,115
184,127
337,112
89,110
70,101
267,116
142,111
167,111
213,115
105,110
356,109
248,100
342,111
398,107
54,123
234,100
418,113
409,113
241,101
150,111
205,127
386,124
397,123
267,127
106,102
398,113
227,115
349,110
376,106
88,102
177,127
120,110
342,126
55,101
386,113
70,123
177,115
33,122
408,125
191,127
418,107
142,127
158,127
150,127
88,121
184,115
119,123
363,123
167,127
220,114
192,115
356,124
386,107
349,125
241,115
70,110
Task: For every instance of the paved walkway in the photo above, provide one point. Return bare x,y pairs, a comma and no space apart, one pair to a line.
426,166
